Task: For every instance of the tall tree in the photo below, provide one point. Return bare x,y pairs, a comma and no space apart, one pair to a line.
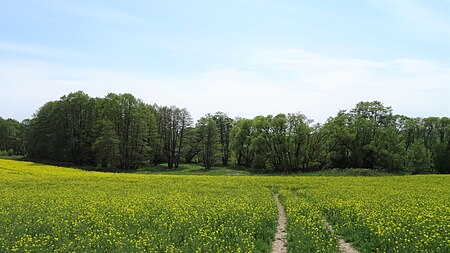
224,125
172,123
241,141
62,130
418,158
288,143
122,131
12,137
209,135
271,142
133,123
298,141
365,137
78,117
106,145
46,137
184,120
262,142
437,140
340,140
191,144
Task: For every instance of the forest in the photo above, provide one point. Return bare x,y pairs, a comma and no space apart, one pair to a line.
122,131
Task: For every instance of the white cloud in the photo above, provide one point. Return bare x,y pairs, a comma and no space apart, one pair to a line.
37,50
273,81
412,86
295,59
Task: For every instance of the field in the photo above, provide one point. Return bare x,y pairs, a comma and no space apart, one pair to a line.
54,209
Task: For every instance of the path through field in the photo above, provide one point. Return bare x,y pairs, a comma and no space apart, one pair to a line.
344,247
279,244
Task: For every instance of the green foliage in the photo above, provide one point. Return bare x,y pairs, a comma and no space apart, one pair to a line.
12,137
369,136
441,154
360,172
113,131
224,126
241,141
46,138
210,142
172,124
133,123
195,169
121,131
77,119
191,146
106,145
418,158
287,143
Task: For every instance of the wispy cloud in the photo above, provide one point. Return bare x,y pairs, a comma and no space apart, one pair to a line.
318,85
36,50
295,59
414,86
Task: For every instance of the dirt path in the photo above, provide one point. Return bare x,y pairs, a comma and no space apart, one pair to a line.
344,247
279,244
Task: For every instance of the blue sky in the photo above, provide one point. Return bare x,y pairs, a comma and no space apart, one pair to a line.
243,57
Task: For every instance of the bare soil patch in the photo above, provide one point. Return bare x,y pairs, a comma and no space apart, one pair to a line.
279,244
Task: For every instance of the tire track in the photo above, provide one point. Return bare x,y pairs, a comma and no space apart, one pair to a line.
344,247
279,244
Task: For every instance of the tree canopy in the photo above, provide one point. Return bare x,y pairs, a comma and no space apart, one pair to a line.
121,131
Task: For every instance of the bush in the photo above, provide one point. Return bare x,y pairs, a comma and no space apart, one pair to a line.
351,172
10,152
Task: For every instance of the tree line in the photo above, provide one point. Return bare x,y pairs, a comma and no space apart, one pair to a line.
121,131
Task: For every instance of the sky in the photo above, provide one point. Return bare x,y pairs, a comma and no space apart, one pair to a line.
241,57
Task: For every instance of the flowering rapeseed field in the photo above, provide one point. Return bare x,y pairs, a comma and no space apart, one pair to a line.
53,209
376,214
50,209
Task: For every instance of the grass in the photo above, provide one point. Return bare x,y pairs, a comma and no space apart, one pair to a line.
198,169
12,157
194,169
350,172
233,170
